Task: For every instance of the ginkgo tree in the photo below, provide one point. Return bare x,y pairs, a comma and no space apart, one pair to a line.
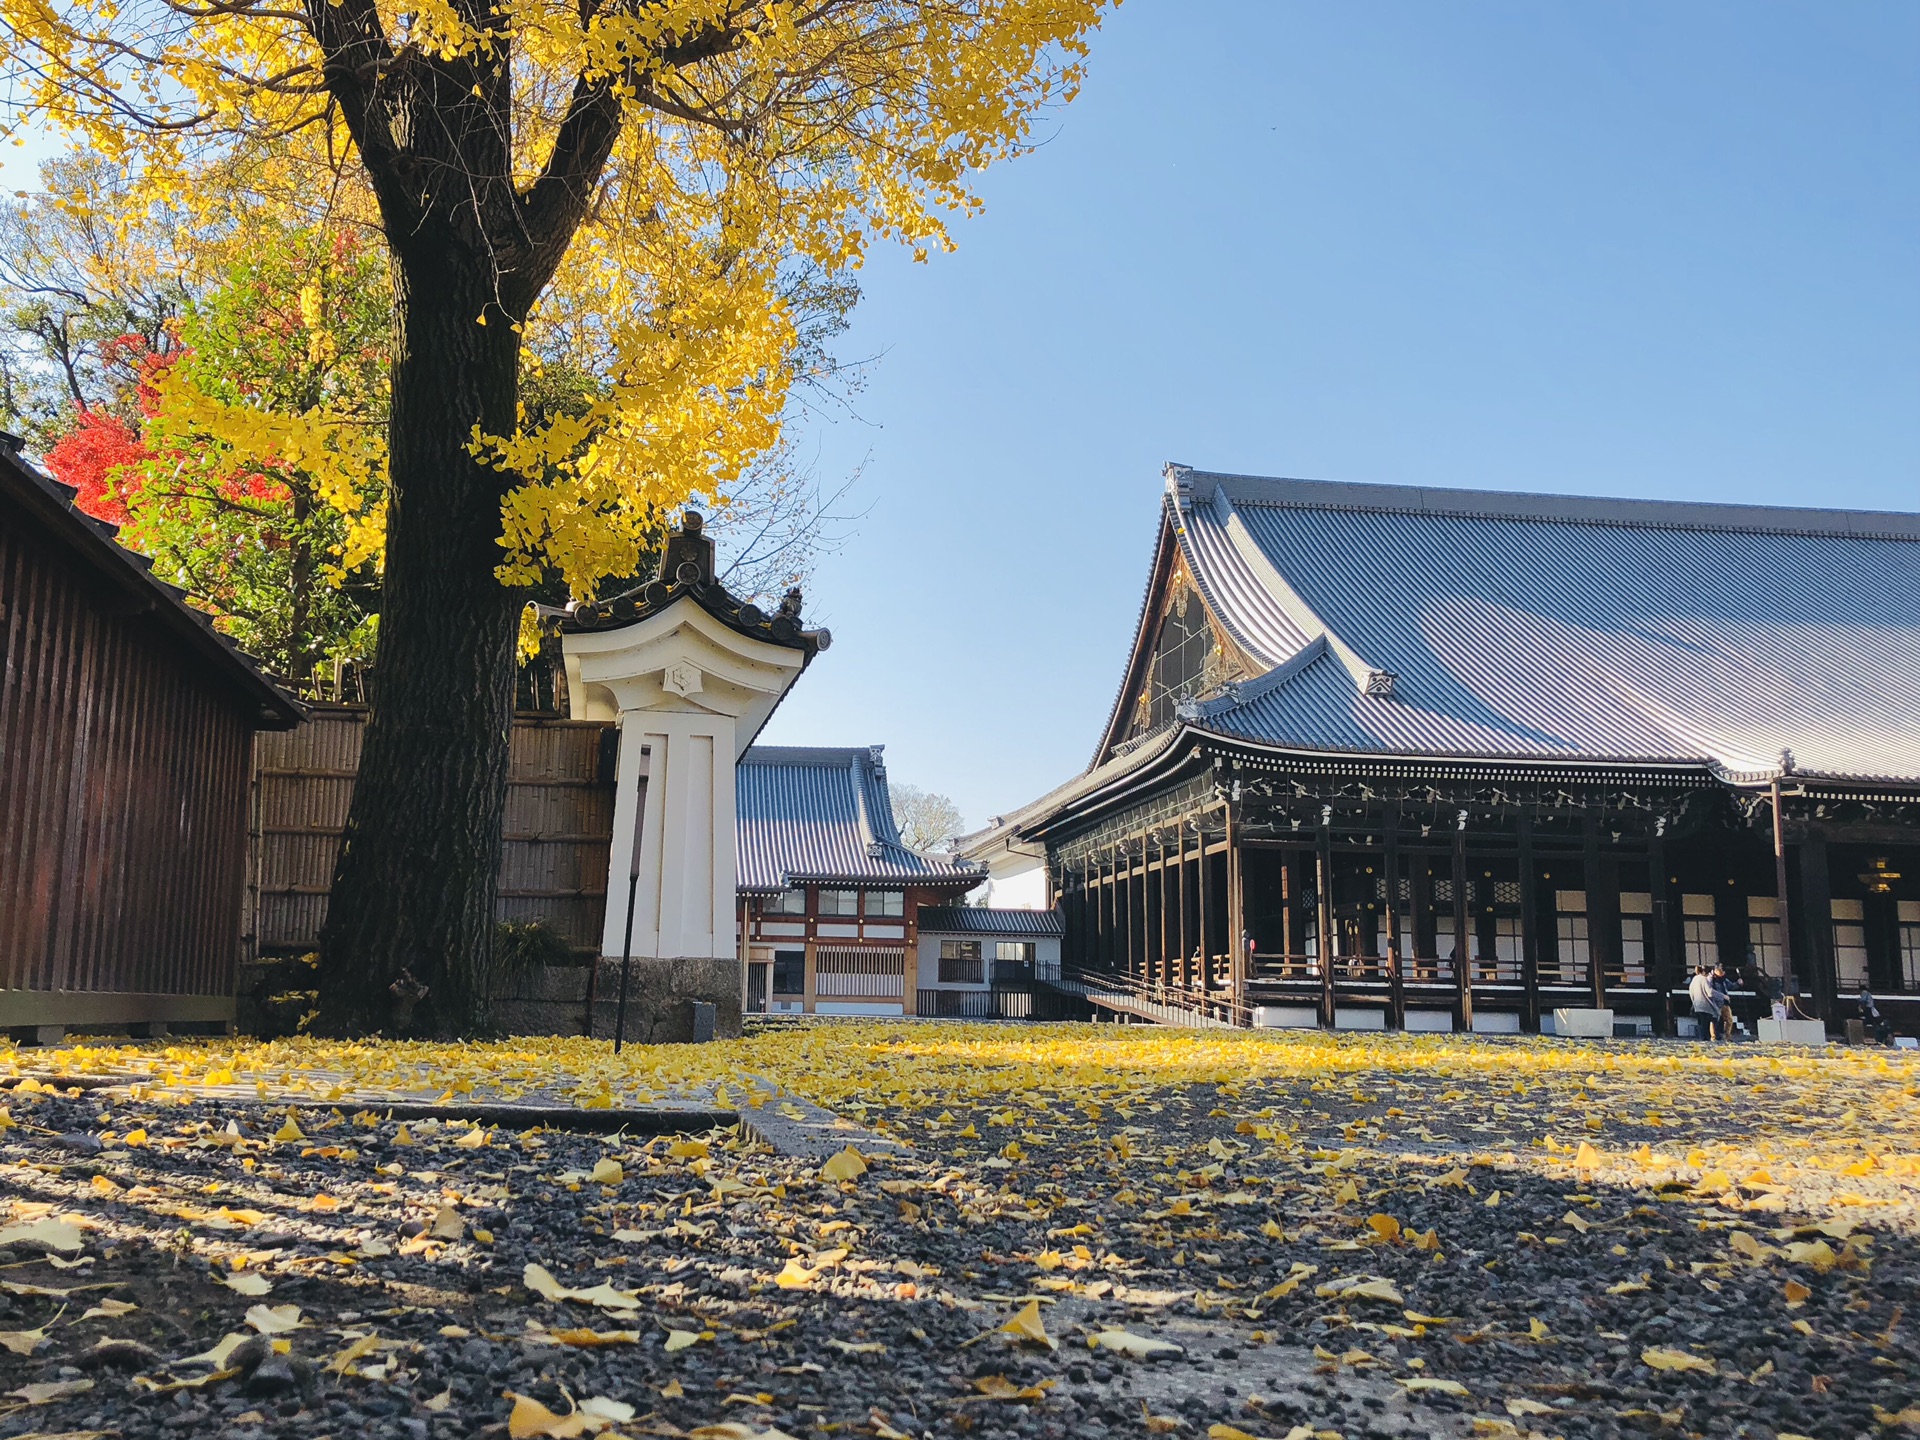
677,159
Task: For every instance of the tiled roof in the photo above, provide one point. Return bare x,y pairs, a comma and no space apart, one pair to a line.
823,814
1542,628
981,920
1521,626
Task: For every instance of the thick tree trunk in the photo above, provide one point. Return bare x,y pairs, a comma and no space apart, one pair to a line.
414,886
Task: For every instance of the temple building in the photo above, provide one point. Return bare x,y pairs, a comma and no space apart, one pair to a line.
829,897
1447,759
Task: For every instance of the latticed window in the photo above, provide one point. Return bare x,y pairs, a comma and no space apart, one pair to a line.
839,902
885,902
1763,932
787,902
1190,657
1850,942
1573,947
866,973
1910,943
1636,915
1699,931
960,962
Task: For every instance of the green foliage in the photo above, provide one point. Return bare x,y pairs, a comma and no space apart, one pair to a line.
256,523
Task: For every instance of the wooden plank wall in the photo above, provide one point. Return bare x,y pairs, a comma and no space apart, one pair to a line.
123,790
559,823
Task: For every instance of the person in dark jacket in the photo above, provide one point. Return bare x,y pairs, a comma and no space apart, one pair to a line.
1875,1022
1722,995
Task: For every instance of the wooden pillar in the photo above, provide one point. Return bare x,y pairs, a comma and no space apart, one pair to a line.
1666,956
1396,962
1816,925
1420,894
1206,896
1179,907
1780,890
1323,900
1463,931
1236,914
1529,926
1597,957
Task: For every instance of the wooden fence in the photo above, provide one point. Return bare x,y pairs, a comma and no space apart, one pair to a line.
559,820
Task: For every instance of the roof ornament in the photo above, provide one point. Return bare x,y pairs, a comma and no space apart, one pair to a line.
1181,478
1380,684
688,557
1787,762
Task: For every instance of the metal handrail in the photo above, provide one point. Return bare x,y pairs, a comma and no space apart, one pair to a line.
1167,997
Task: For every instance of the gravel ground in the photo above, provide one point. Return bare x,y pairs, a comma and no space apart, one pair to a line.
1407,1245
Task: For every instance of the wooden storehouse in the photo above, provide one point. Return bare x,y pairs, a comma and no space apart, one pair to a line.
830,899
1440,759
126,722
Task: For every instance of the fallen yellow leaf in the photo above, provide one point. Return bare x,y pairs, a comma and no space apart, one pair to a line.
1027,1325
849,1164
1665,1359
1125,1342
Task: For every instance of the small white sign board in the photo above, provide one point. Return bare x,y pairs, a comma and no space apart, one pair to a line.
1583,1024
1793,1032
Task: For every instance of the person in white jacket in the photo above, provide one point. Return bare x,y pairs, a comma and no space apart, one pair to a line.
1706,1009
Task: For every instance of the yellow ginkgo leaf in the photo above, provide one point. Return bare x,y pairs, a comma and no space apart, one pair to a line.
447,1224
1796,1294
354,1350
474,1139
403,1136
274,1319
1817,1253
248,1282
1660,1358
1586,1157
530,1420
607,1171
681,1339
1347,1194
849,1164
1537,1328
1385,1226
794,1276
1364,1288
688,1150
1027,1326
289,1131
1125,1342
1431,1384
594,1339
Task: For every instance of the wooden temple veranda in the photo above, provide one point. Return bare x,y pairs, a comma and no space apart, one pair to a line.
1428,759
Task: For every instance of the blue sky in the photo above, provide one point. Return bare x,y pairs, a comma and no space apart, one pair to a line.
1666,250
1657,249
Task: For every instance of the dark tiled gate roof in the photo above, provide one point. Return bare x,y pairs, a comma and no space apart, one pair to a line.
823,814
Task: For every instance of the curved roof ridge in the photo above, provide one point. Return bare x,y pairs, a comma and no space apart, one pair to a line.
1537,505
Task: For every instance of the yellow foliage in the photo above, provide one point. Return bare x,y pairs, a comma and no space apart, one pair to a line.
668,170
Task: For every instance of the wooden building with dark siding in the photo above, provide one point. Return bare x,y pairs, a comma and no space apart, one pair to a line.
126,723
1407,758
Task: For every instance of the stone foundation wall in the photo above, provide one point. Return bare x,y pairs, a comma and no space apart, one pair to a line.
554,1001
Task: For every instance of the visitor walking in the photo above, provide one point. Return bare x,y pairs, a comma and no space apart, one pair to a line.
1700,992
1722,996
